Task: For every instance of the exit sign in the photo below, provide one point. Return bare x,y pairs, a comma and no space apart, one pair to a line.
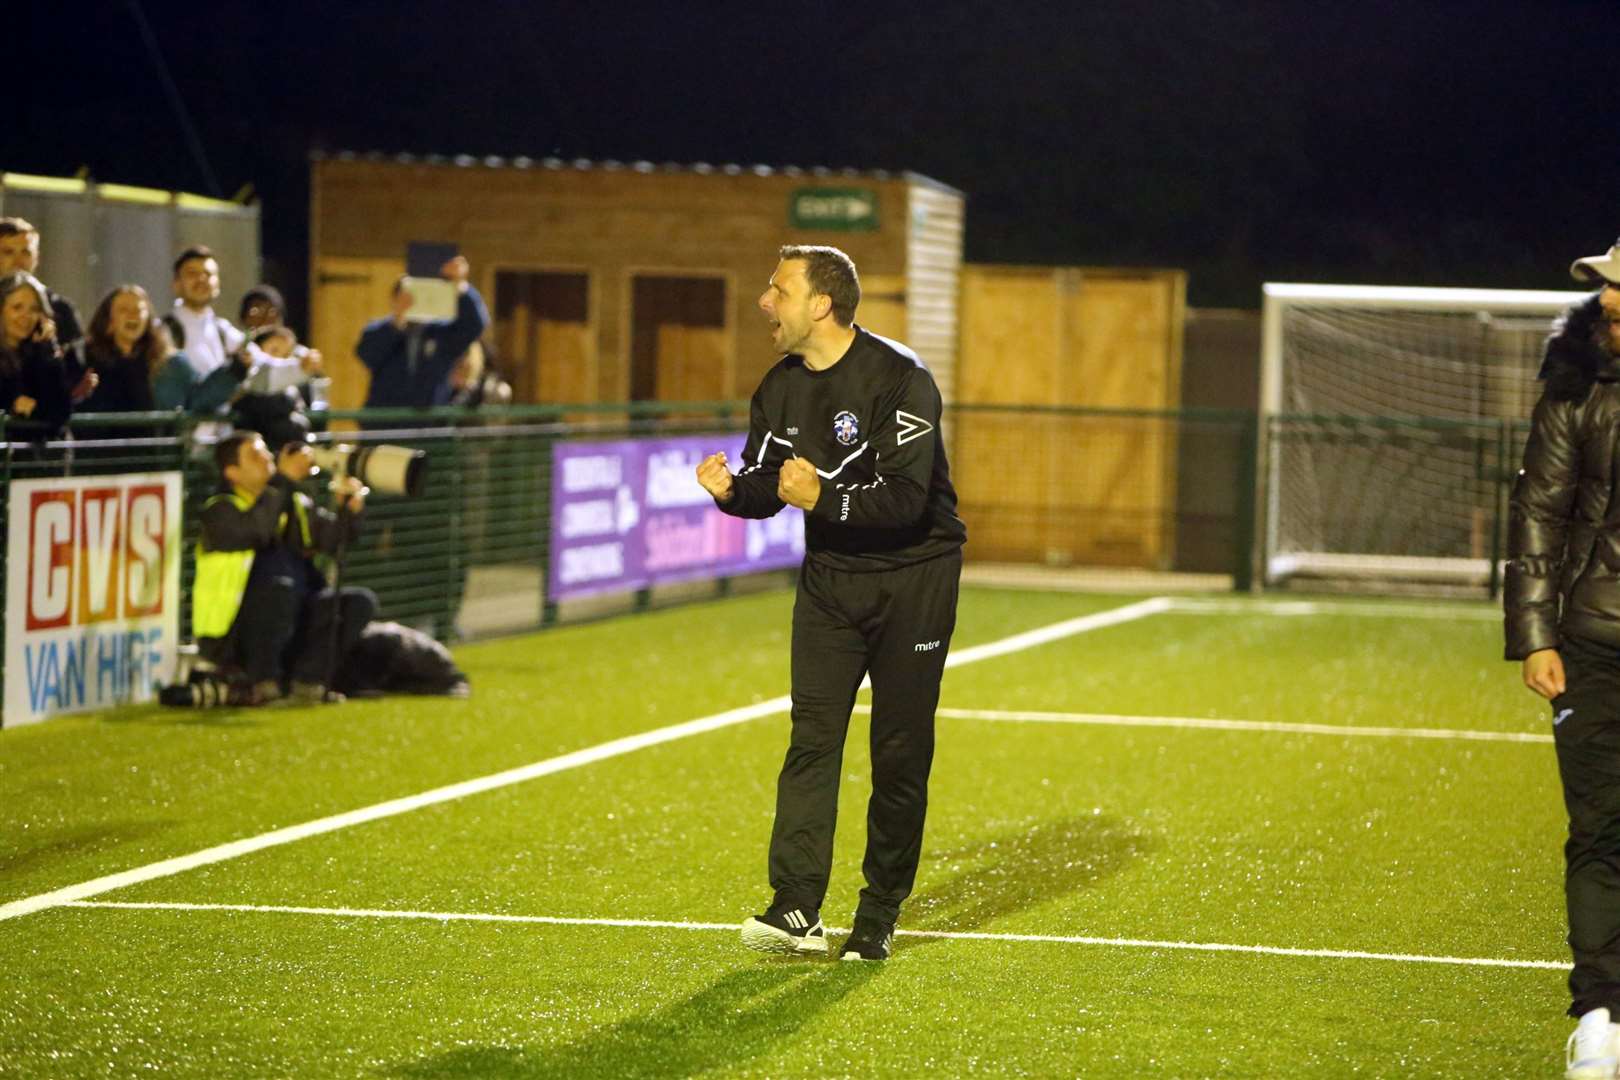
848,209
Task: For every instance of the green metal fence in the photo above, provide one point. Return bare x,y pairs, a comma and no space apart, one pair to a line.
1171,490
1130,488
480,529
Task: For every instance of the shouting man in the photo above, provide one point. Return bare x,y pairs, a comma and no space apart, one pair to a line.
846,427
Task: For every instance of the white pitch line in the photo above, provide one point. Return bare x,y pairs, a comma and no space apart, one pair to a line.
1121,720
276,837
586,756
953,935
392,913
1084,623
1266,950
1183,605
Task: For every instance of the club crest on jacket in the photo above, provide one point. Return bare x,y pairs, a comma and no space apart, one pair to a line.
846,429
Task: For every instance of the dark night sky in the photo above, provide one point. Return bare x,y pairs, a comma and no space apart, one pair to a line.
1416,142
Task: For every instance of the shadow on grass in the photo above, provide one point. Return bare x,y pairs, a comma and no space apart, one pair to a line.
968,888
46,846
746,1014
169,715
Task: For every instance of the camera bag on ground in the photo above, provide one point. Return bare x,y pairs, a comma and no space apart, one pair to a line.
394,659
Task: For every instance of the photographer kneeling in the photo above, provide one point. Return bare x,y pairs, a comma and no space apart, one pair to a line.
261,608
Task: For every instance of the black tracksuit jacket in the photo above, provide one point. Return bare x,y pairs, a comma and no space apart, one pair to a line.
870,426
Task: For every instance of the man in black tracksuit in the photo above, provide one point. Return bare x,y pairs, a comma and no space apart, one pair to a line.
846,427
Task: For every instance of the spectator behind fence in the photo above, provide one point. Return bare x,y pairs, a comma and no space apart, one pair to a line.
211,342
276,340
32,387
410,362
19,250
262,306
139,368
261,609
475,382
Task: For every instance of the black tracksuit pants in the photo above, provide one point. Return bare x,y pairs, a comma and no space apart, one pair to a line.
896,625
284,630
1586,731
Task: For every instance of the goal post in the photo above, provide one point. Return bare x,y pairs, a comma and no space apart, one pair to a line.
1391,419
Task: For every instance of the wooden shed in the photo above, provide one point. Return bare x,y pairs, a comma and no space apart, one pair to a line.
616,282
1040,478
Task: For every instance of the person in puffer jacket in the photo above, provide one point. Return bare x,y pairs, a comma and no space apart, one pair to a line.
1562,618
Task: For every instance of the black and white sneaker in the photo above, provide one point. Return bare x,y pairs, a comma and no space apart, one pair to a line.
871,939
788,930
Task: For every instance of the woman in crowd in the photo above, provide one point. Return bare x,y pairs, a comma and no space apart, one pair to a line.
139,368
32,380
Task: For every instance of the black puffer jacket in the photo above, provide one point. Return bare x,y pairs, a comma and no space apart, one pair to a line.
1563,573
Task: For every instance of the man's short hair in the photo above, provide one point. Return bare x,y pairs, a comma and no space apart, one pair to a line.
832,274
228,451
195,251
16,226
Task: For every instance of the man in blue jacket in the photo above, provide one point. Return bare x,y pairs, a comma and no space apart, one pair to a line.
410,362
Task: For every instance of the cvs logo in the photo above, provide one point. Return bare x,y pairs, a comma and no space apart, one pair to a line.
95,554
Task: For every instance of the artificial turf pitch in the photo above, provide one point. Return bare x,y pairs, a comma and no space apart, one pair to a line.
1079,875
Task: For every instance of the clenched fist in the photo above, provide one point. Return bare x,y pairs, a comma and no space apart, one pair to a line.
1544,673
797,483
715,477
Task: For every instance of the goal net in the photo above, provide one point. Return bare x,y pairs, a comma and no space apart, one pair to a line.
1393,420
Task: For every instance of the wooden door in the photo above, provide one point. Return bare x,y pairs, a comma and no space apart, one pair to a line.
545,339
1067,487
679,345
691,363
349,292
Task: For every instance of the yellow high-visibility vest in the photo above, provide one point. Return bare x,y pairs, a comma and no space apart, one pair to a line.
222,576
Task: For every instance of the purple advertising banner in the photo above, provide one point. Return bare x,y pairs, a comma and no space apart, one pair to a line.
630,513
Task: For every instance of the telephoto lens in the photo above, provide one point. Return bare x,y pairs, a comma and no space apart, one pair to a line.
391,470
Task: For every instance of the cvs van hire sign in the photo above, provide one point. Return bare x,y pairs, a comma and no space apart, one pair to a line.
92,592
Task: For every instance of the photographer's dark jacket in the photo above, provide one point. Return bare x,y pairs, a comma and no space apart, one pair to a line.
244,540
410,368
1563,573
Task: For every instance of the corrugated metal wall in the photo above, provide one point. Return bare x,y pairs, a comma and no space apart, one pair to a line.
933,270
92,238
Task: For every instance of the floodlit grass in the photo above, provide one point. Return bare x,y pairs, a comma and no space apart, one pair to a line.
1161,835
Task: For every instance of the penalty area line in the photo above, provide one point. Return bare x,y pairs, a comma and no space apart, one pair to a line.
1029,716
1462,612
949,935
589,755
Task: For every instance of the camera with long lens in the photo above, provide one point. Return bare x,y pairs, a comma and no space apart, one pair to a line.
201,690
392,470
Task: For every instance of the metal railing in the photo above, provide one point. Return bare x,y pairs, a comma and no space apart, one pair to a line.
1160,489
480,528
1157,489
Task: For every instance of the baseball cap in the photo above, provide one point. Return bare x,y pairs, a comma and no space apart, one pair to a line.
1596,268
